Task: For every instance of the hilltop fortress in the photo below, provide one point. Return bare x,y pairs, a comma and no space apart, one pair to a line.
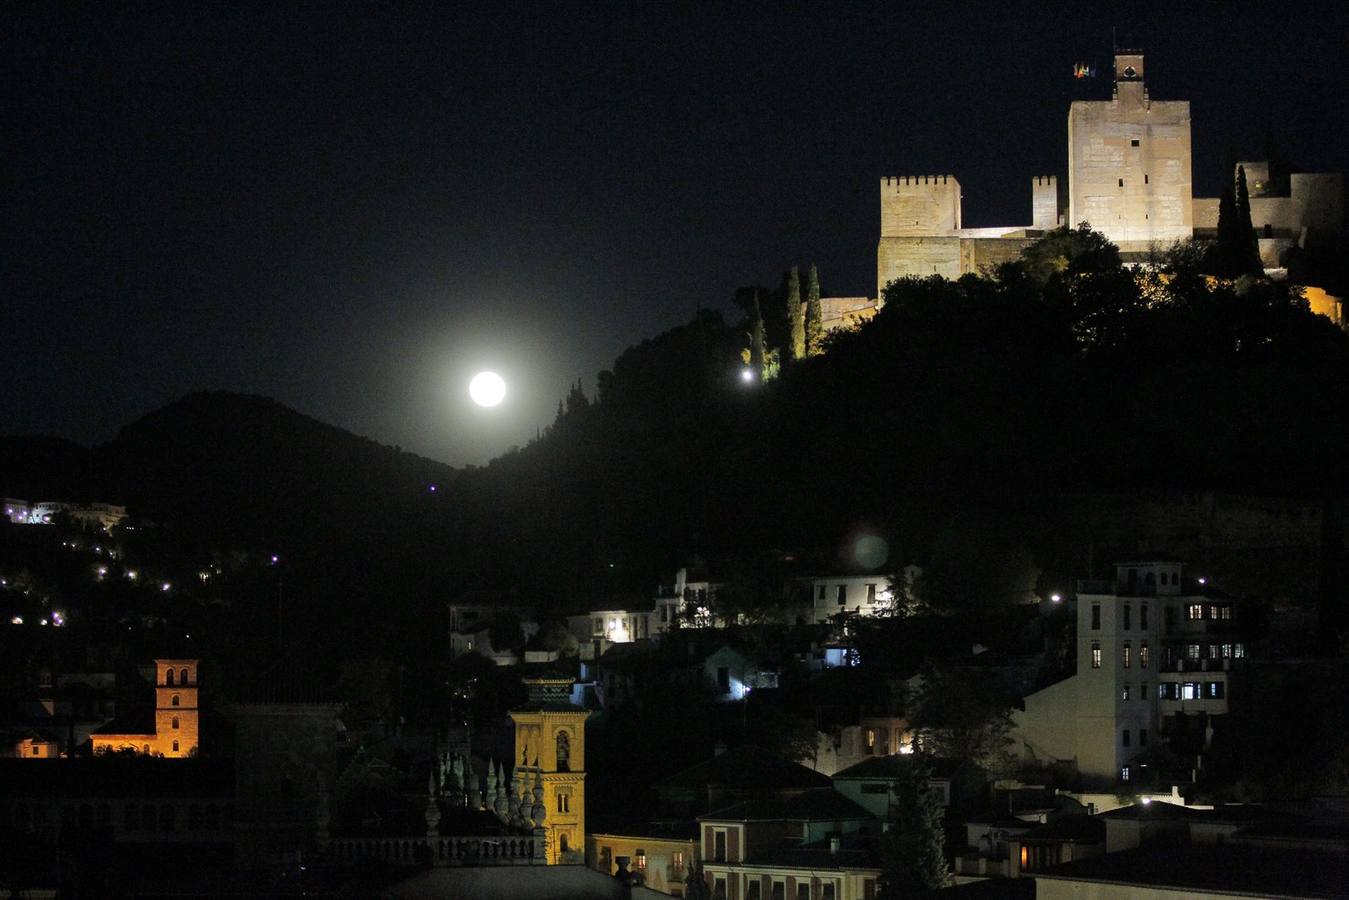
1129,176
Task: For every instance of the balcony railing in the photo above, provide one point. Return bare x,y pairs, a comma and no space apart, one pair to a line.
1198,665
441,851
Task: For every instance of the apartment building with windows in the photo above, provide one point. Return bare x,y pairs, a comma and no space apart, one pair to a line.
1154,653
813,846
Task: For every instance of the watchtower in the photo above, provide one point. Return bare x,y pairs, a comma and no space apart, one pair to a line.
1129,162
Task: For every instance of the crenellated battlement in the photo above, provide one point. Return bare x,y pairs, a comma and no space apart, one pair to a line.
899,181
919,204
1044,204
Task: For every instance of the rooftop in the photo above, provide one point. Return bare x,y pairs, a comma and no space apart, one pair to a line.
809,806
893,766
853,854
1157,812
746,766
1081,829
1250,871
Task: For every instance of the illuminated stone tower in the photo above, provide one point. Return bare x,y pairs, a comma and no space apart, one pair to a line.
176,710
176,733
1129,162
550,747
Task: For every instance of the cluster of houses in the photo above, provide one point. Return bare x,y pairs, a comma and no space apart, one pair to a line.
296,786
101,516
1155,657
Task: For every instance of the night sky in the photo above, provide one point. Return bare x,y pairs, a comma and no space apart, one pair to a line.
354,211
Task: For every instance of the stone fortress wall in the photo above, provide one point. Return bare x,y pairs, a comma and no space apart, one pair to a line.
922,235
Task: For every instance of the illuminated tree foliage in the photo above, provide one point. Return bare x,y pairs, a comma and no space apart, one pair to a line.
961,713
796,321
814,327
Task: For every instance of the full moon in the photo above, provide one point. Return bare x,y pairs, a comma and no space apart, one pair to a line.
487,389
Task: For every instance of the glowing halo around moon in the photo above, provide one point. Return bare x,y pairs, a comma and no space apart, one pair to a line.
487,389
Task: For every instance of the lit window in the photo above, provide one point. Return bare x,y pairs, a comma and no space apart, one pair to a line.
1190,691
1238,651
641,858
1124,774
1216,690
1095,654
1195,611
1124,691
1142,654
1127,654
1192,651
1226,612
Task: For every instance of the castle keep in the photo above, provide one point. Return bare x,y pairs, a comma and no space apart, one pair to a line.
1129,177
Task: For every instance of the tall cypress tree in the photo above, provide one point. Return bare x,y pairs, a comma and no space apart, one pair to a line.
756,341
1247,250
913,851
796,320
814,314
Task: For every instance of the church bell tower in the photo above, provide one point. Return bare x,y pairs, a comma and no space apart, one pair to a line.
550,745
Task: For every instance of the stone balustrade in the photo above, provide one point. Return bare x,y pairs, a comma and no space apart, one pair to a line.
441,851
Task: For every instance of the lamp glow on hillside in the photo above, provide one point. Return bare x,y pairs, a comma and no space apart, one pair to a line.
487,389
